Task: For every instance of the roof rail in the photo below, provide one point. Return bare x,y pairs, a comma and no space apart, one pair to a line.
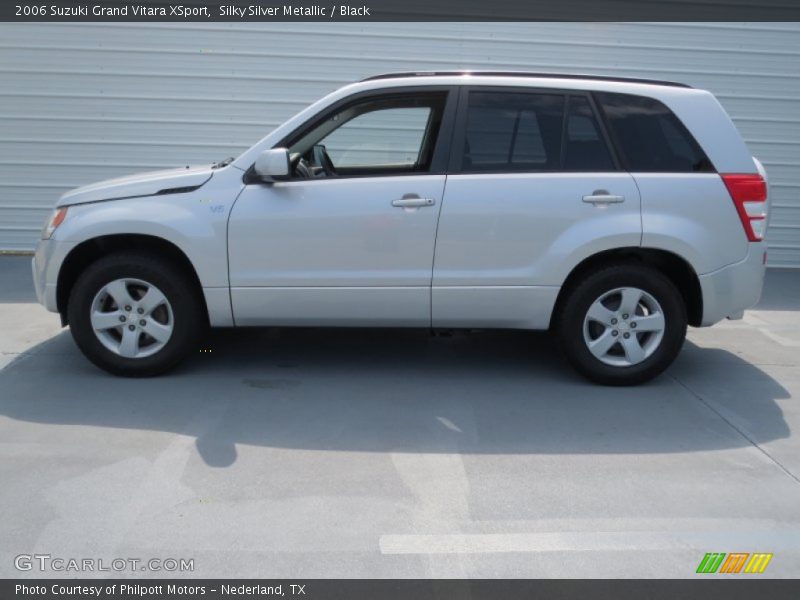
524,74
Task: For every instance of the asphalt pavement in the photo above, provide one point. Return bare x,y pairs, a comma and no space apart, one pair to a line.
381,453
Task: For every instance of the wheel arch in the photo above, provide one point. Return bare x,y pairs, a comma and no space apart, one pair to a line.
88,251
675,267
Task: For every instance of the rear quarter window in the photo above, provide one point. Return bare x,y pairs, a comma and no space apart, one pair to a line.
649,137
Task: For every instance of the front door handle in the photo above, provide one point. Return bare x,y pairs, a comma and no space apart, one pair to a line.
413,201
603,197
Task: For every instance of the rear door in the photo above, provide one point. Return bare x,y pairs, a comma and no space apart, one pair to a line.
534,187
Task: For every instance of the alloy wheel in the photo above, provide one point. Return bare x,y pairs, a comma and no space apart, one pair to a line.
623,327
132,318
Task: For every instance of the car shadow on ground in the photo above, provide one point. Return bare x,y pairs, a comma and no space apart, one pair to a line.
374,390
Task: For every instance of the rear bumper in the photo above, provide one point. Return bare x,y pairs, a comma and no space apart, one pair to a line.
728,291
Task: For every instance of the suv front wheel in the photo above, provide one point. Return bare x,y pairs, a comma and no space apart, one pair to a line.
622,325
134,314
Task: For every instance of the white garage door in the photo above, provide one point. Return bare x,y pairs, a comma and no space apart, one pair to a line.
82,102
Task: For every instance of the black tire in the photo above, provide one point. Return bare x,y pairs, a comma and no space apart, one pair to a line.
188,314
569,323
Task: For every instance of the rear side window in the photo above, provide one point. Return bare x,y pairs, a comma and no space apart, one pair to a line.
650,137
513,132
518,131
584,146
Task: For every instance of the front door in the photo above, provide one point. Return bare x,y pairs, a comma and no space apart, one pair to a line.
349,238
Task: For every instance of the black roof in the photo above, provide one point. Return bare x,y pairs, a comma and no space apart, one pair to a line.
525,74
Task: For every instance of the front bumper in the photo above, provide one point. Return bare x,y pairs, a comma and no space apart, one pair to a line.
46,264
728,291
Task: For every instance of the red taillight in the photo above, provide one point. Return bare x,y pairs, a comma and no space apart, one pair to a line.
749,195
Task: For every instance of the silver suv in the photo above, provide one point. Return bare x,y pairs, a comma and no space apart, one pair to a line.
611,211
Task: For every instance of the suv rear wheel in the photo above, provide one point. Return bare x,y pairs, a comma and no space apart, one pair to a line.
135,315
622,325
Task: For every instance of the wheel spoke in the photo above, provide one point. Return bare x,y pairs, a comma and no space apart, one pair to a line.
602,344
118,290
654,322
633,350
129,346
106,320
630,300
151,300
598,312
157,331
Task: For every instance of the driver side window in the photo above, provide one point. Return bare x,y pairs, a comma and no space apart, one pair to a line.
386,136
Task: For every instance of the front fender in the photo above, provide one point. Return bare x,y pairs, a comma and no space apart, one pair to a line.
195,222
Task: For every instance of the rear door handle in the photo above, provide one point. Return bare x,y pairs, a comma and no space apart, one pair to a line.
412,201
603,197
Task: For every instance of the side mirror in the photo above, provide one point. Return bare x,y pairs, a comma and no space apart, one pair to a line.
272,165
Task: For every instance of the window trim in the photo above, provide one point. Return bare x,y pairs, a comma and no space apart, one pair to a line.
460,130
441,150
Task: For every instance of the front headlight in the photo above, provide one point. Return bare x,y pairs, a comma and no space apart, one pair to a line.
53,222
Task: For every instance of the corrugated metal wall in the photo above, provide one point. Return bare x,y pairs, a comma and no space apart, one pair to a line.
83,102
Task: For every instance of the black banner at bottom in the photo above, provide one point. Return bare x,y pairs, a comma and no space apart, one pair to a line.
406,589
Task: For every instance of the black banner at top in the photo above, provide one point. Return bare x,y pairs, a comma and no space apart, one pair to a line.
400,10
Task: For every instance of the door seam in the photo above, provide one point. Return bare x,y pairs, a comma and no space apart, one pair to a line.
433,258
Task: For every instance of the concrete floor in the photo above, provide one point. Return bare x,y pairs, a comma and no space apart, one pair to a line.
357,453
